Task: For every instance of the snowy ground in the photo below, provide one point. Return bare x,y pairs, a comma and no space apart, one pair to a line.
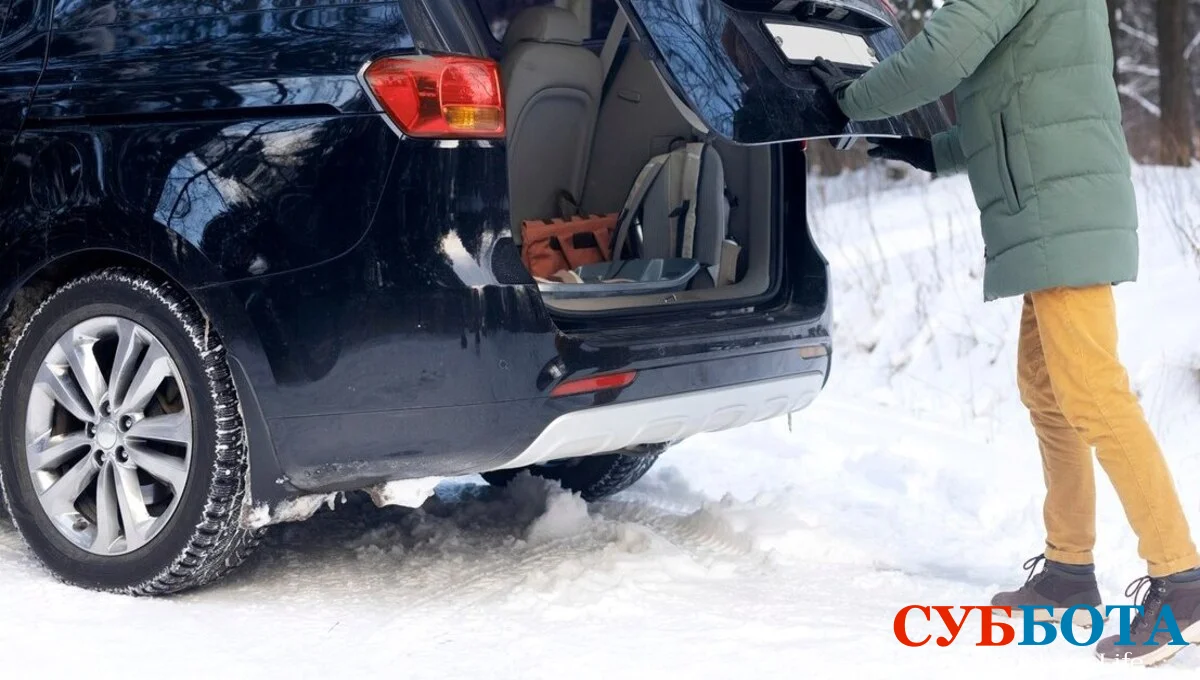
781,550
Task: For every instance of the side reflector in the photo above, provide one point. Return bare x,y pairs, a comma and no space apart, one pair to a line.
814,351
597,383
440,97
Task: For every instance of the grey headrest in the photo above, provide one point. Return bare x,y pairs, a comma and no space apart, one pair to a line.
545,24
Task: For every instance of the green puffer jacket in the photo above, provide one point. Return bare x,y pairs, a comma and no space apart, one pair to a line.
1039,132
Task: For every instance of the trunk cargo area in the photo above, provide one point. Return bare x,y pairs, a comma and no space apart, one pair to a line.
728,83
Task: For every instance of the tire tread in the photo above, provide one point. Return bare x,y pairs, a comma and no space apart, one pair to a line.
219,542
594,478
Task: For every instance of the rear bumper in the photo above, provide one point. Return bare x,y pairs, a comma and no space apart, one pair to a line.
604,429
677,394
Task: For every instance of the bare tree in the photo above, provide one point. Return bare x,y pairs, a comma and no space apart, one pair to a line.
1175,90
913,13
1114,13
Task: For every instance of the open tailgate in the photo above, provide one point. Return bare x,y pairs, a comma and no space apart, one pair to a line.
743,65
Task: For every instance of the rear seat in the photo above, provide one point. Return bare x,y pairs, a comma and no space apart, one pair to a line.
637,121
552,87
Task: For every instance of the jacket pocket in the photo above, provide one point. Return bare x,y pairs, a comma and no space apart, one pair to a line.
1007,181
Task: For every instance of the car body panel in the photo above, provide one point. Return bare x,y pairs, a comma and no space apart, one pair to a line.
24,28
167,59
207,175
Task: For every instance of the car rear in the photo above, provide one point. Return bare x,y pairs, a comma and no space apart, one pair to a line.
649,367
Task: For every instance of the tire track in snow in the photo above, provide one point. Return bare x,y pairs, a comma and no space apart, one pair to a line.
470,546
702,533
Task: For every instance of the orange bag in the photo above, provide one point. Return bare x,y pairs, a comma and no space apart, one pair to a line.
551,246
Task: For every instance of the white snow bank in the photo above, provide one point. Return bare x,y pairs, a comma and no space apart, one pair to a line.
565,513
407,493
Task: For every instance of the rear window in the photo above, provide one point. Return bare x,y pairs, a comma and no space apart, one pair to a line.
16,16
596,15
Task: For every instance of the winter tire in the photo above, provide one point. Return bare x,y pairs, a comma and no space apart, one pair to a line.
122,460
593,477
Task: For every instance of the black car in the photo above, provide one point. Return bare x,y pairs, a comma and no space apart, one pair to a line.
258,252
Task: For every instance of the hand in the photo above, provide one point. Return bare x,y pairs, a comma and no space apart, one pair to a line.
912,150
831,77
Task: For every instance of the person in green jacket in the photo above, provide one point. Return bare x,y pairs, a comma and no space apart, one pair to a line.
1039,134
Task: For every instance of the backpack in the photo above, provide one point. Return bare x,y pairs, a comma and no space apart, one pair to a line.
679,208
549,247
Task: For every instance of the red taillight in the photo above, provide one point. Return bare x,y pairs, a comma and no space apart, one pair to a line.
440,97
611,381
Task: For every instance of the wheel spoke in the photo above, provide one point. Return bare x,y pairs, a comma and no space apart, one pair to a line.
108,527
51,379
60,498
134,516
129,345
80,406
48,452
155,367
82,359
173,427
168,469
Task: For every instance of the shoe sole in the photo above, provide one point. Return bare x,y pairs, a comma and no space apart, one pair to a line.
1162,653
1056,616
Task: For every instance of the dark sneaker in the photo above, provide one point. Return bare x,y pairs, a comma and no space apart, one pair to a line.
1056,586
1184,601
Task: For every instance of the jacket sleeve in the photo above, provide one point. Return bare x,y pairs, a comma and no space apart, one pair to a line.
954,42
948,155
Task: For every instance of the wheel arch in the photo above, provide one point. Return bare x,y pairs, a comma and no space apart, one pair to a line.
35,281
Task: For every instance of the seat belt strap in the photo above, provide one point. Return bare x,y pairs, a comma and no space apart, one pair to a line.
641,186
690,191
612,44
